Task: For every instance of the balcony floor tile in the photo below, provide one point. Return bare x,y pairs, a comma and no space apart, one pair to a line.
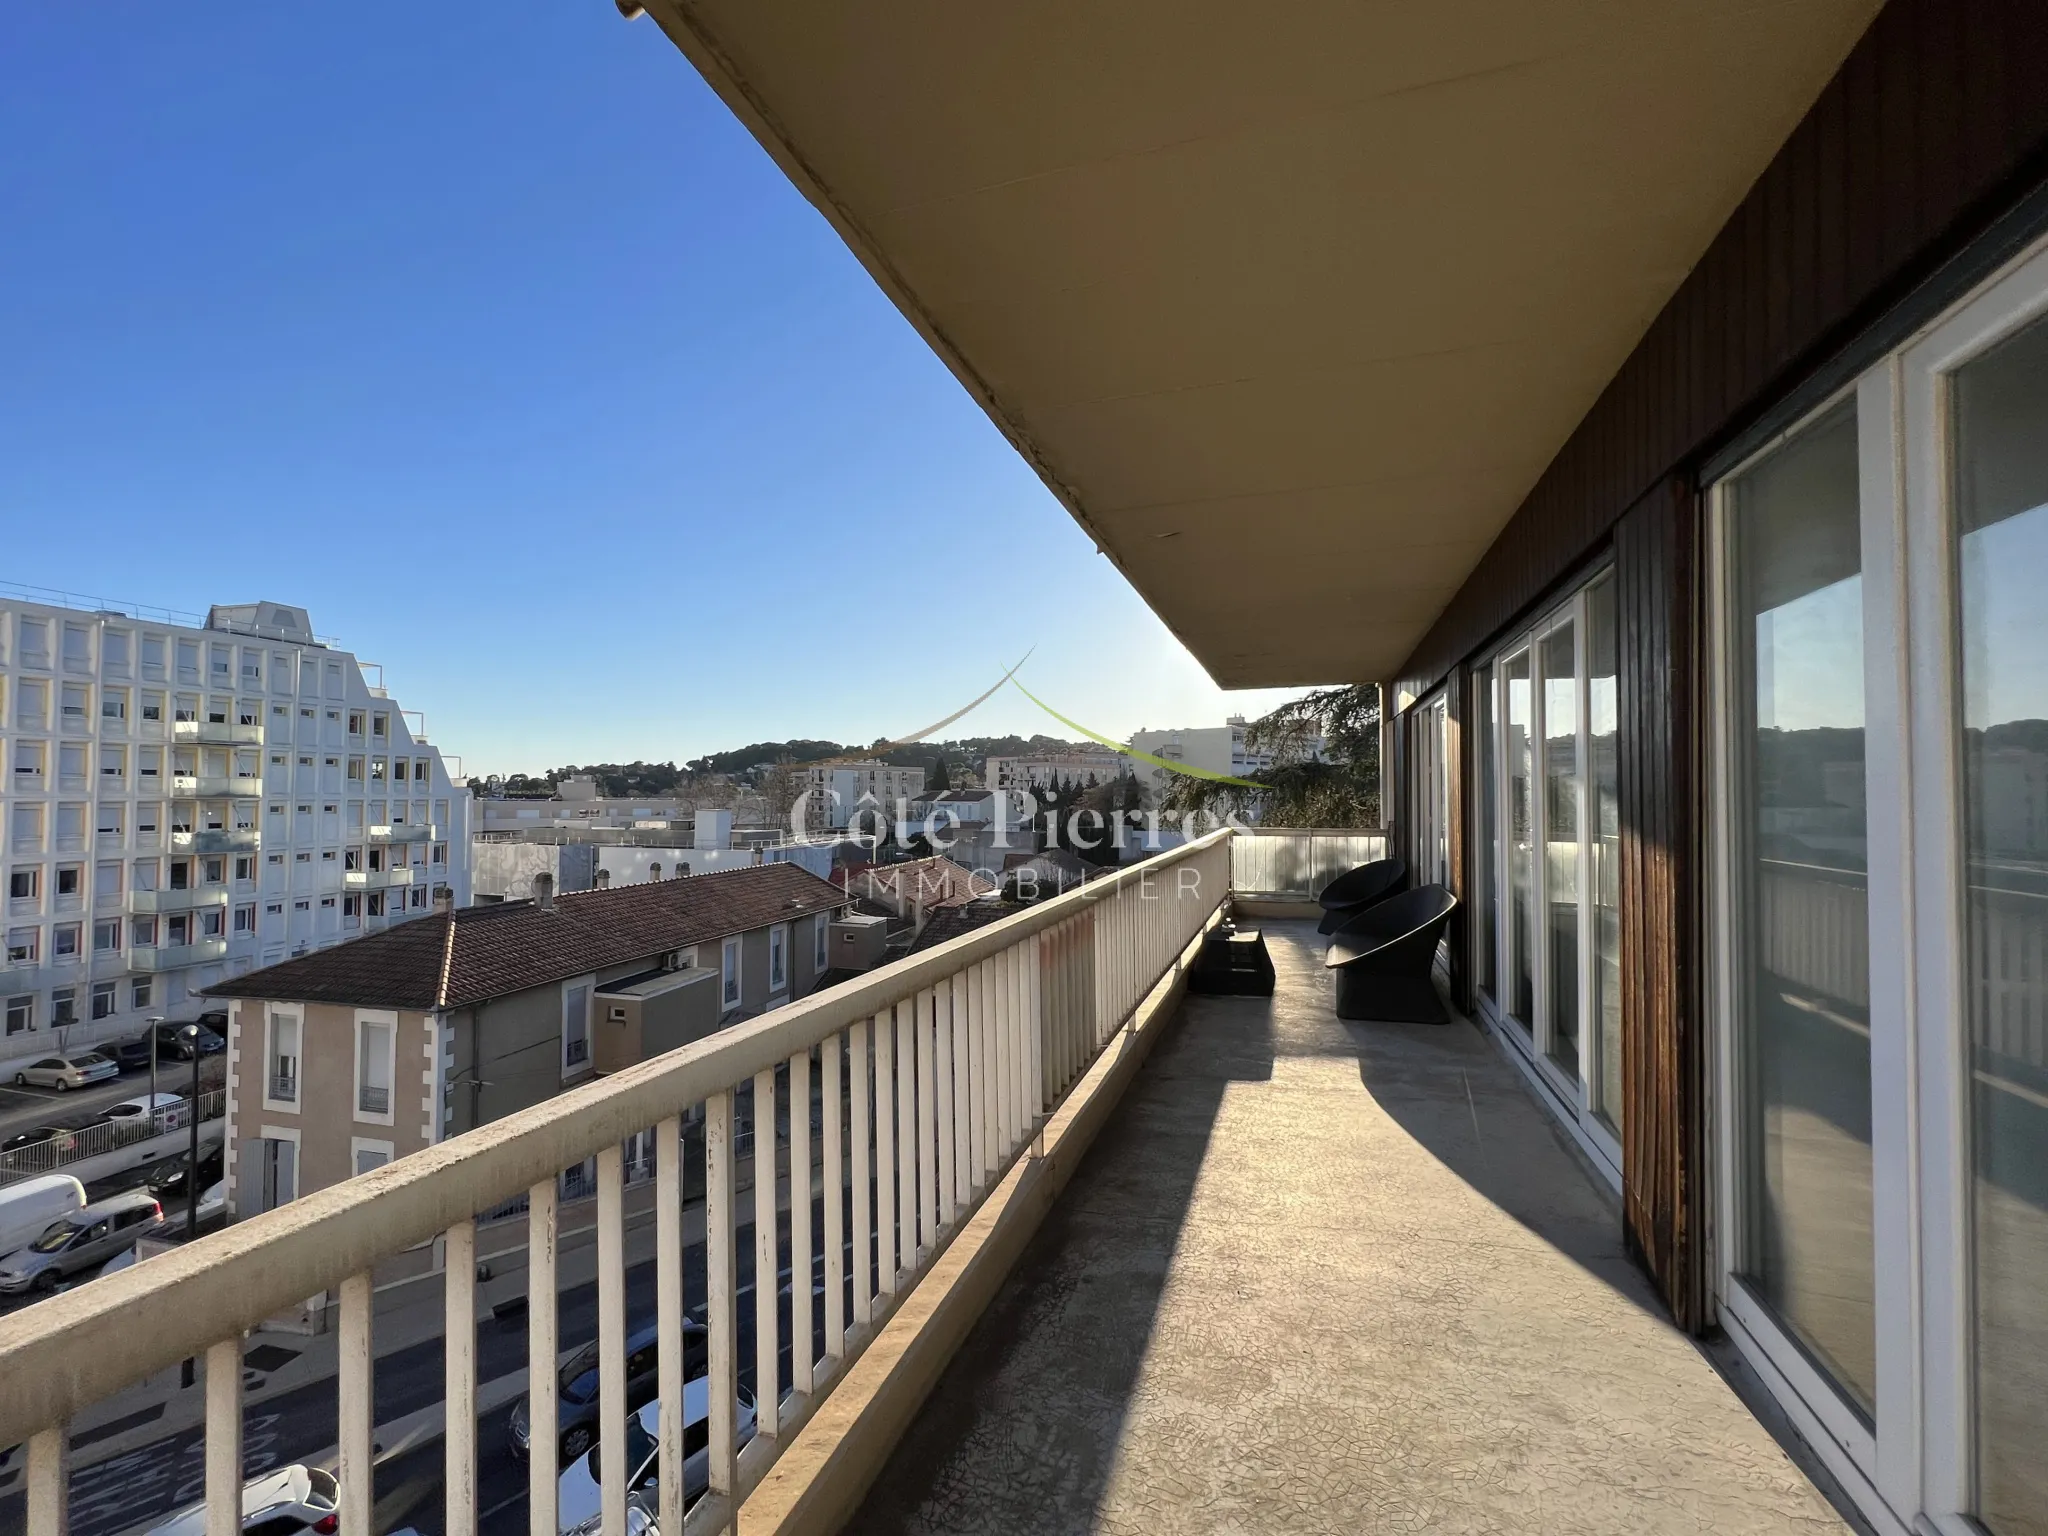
1320,1277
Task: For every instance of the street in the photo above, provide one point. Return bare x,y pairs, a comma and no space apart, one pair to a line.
141,1486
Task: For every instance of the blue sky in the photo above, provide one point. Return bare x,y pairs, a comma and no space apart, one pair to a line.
495,342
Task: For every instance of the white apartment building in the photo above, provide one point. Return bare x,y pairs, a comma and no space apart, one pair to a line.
1082,768
835,792
1217,748
183,802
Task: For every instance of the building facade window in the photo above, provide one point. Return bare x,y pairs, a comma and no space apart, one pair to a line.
576,996
281,1075
778,957
729,969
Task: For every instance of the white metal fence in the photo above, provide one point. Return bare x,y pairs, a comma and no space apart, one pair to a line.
1297,862
934,1074
61,1148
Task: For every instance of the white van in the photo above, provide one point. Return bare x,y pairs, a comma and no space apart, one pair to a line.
28,1208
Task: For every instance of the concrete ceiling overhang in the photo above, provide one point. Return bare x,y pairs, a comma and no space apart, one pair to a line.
1289,304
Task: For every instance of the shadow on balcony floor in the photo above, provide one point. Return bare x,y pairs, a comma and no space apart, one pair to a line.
1327,1277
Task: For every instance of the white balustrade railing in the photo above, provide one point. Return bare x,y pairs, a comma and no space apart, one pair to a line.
933,1076
1297,862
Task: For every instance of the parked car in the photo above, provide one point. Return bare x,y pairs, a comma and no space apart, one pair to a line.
578,1497
173,1111
576,1389
172,1046
63,1132
28,1209
83,1240
280,1503
64,1073
166,1179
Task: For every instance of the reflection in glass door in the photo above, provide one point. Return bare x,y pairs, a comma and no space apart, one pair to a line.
1431,797
1520,827
1999,529
1603,719
1545,856
1563,842
1797,941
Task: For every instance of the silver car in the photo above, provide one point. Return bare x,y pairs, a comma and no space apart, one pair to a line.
83,1240
66,1072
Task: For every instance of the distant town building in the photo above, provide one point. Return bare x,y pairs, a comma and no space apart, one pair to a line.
834,793
1036,773
185,800
583,856
1216,748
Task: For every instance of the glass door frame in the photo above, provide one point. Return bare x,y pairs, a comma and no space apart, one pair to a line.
1531,1048
1845,1441
1936,1041
1916,1467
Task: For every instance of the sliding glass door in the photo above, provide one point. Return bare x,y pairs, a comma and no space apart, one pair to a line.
1879,978
1545,858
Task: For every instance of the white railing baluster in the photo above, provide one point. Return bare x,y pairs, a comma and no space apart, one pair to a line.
942,1120
1005,1010
49,1481
543,1349
832,1064
1034,1030
718,1290
224,1438
963,1096
355,1403
906,1136
885,1153
927,1121
987,977
611,1338
670,1359
977,1074
458,1389
767,1347
802,1356
863,1175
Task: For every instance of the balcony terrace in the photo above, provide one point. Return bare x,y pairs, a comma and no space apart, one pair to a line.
1087,1256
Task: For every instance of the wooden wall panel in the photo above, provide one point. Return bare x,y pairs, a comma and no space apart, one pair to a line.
1935,123
1657,597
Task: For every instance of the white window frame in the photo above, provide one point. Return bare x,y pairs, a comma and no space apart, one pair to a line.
778,959
731,992
821,944
272,1015
358,1145
388,1021
588,985
288,1133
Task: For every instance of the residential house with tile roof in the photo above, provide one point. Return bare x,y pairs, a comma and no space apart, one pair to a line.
341,1060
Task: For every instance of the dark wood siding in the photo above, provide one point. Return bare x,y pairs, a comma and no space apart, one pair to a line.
1657,601
1934,125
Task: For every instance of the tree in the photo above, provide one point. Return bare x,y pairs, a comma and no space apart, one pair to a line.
1341,790
938,781
780,786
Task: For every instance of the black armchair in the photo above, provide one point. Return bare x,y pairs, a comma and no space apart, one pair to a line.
1383,956
1354,891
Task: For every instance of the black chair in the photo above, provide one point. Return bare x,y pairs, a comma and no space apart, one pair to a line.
1354,891
1383,957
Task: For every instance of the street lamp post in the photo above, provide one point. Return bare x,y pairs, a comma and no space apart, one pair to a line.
190,1035
151,1025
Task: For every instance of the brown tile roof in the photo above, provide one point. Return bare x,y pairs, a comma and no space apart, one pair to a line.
936,881
962,918
458,958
